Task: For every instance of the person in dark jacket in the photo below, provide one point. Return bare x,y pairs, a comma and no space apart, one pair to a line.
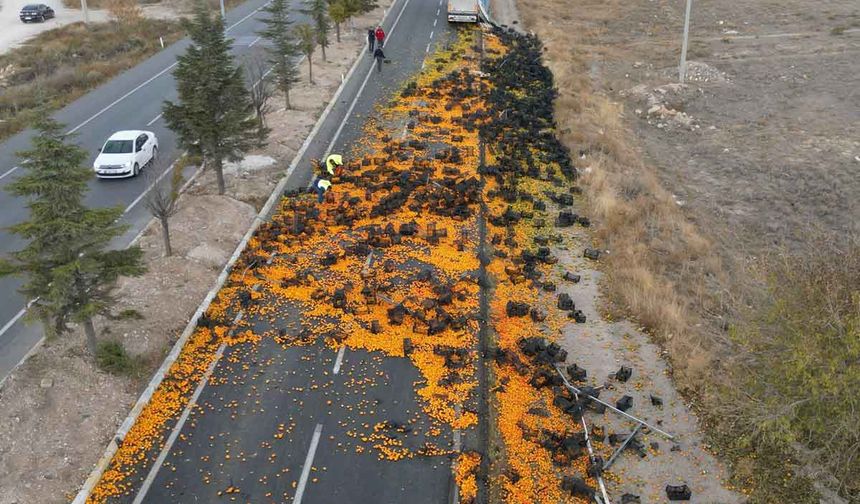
371,38
380,36
321,186
379,55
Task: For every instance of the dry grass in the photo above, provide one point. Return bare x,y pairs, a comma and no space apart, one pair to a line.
125,11
660,266
59,65
661,270
105,4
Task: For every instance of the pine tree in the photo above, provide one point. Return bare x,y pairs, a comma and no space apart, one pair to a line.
318,12
307,42
339,12
283,49
214,113
69,273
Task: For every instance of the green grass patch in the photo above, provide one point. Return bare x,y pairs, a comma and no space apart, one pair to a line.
793,401
112,357
58,66
128,314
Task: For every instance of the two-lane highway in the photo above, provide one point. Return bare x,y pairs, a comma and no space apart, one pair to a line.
132,100
281,424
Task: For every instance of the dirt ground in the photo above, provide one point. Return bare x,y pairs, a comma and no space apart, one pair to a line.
15,32
58,410
764,140
689,184
601,346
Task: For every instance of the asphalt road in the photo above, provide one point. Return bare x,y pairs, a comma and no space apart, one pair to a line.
279,424
132,100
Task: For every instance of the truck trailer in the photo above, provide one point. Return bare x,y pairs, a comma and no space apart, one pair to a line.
463,11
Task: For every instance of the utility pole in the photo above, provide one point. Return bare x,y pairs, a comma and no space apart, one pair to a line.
86,12
682,70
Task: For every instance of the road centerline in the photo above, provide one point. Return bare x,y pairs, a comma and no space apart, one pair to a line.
12,321
153,120
9,172
306,469
339,360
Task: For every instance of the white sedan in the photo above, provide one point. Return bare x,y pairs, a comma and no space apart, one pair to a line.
126,153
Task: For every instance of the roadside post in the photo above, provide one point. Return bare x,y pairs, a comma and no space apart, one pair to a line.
86,12
682,70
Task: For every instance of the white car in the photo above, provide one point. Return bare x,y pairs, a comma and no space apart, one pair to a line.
126,153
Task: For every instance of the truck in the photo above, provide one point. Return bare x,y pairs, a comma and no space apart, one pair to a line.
463,11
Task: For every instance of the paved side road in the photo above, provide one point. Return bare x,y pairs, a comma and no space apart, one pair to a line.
132,100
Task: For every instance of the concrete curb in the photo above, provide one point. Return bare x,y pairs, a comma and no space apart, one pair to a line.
96,474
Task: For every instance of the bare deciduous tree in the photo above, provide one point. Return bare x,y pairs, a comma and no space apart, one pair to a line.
259,87
161,199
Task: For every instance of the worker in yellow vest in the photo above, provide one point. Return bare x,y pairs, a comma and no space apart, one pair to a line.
334,165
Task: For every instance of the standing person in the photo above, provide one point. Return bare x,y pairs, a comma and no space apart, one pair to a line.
371,38
380,36
379,55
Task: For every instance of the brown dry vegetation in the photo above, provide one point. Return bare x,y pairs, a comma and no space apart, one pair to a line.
670,269
659,264
125,11
60,65
177,5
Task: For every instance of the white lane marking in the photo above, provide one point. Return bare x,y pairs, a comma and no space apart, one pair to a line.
147,81
254,41
431,35
437,12
360,90
121,98
168,445
423,64
428,48
12,322
146,191
339,360
237,23
306,470
153,120
8,173
435,21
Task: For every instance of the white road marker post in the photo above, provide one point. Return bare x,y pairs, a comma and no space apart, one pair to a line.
682,69
85,11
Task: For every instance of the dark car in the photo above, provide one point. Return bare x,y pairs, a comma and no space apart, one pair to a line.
36,12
